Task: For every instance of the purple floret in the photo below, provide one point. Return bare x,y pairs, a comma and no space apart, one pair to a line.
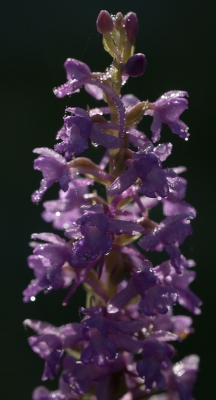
147,167
156,296
54,169
51,263
77,75
66,210
170,234
156,358
98,232
78,128
167,109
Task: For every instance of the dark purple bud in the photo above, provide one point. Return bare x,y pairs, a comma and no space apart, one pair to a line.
131,25
104,22
136,65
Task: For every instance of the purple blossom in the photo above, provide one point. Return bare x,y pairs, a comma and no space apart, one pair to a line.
78,128
77,75
167,110
170,233
98,232
52,264
54,169
66,210
180,380
155,297
156,358
185,296
147,167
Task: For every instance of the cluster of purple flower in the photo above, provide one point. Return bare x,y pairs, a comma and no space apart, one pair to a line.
119,350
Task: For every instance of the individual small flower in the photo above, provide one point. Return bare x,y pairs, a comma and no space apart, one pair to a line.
66,210
156,358
167,110
169,326
54,169
78,128
99,350
147,167
52,262
174,203
180,380
181,282
51,343
155,296
170,233
77,75
98,232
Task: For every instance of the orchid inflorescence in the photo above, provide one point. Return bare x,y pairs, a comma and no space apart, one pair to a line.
119,350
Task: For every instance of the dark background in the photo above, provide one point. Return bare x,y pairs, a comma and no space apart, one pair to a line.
178,39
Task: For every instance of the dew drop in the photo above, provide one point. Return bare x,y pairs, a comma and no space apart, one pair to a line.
32,298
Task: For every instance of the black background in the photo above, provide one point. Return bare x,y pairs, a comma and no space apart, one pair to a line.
178,39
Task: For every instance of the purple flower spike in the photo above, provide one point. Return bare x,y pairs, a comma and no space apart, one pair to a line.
104,22
54,169
119,349
136,65
170,234
77,75
167,109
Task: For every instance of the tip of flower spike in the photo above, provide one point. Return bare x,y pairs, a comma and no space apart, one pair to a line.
131,25
104,22
136,65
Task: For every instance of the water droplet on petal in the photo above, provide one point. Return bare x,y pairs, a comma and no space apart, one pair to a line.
94,144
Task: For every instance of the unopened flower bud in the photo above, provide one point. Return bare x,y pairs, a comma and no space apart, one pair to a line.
136,65
131,25
119,21
104,22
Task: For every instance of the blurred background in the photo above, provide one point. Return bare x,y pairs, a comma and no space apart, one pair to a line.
178,39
